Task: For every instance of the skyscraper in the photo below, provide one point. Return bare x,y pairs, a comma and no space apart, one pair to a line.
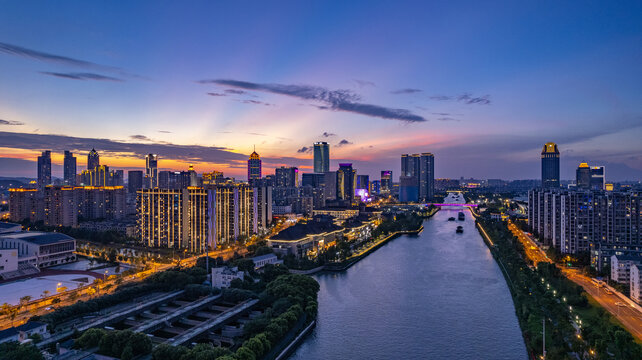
287,177
346,178
426,176
151,170
550,166
598,178
134,180
321,157
44,169
253,167
421,167
386,181
583,176
93,160
69,169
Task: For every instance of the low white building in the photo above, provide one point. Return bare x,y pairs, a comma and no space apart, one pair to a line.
8,260
35,250
621,267
636,279
222,277
262,260
23,332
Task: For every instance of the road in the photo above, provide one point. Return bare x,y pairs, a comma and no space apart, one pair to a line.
629,316
533,252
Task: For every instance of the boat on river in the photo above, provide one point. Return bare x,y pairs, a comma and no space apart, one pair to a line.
462,217
460,230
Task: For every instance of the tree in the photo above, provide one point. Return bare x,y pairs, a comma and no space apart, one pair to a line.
113,254
25,299
45,293
12,350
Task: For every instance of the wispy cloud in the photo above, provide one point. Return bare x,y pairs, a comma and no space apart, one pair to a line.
469,99
343,143
234,91
304,150
335,100
406,91
364,83
11,122
139,137
255,102
43,56
466,98
447,118
81,76
328,134
215,94
60,143
164,131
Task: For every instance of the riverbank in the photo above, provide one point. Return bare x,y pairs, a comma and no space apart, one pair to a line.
346,264
353,259
403,294
574,326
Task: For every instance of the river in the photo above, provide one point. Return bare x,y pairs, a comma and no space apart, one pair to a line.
436,295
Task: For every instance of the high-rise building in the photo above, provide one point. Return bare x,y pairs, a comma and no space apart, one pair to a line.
426,176
69,169
408,189
550,166
65,205
195,217
330,185
100,175
261,207
375,187
25,204
151,170
212,178
321,157
598,179
363,182
93,159
134,180
421,168
386,181
604,223
346,179
590,177
286,177
253,167
312,179
44,169
583,176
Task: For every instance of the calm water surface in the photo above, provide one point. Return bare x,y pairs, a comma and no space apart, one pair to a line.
437,295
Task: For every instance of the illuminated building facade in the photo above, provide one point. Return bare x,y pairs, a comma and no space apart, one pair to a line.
69,169
151,170
286,177
605,223
93,159
253,167
550,166
386,181
212,178
321,157
346,179
193,217
421,168
44,169
65,205
25,204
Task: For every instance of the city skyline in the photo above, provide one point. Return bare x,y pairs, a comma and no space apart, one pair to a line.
198,93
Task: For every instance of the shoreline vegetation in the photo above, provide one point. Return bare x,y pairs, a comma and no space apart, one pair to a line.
575,327
404,224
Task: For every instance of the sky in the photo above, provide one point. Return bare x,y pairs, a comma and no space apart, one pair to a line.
481,85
